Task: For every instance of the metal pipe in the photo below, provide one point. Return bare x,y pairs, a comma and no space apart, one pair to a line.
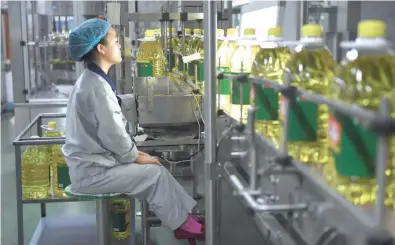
381,162
253,147
183,45
264,207
132,218
102,222
210,26
144,221
194,176
344,108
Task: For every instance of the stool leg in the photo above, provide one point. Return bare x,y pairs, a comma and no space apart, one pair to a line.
102,222
132,217
144,221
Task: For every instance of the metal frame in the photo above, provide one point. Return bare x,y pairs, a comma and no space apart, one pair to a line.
375,120
102,205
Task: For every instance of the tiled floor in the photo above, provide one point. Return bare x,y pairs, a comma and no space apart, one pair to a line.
237,227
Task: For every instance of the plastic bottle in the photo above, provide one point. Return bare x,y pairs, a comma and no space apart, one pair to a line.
224,52
59,170
311,67
120,221
150,59
269,63
183,51
241,63
35,172
365,75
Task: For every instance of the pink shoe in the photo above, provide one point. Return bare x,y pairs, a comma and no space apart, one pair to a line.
184,234
198,218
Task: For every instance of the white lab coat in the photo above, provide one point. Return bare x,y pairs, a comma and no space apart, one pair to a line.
101,155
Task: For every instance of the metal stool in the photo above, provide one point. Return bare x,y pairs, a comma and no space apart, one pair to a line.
102,212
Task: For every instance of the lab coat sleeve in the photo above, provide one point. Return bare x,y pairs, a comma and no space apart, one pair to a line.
111,130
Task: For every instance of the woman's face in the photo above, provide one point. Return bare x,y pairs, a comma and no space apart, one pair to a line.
111,51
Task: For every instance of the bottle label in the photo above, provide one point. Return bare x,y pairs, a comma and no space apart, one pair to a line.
236,91
144,69
63,177
352,146
266,99
180,64
191,69
119,221
303,121
200,72
172,61
225,84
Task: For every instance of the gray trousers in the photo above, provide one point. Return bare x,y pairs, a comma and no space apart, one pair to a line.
153,183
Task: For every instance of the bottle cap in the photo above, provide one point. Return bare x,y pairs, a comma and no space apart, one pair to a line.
231,32
249,32
34,137
52,125
275,32
371,28
197,31
220,32
312,30
149,33
187,31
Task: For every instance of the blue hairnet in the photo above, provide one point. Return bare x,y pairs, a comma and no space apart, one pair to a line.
86,36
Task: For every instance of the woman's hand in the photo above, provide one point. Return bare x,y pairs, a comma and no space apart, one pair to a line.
144,158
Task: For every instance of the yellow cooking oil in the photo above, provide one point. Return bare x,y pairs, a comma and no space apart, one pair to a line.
173,45
224,52
240,63
365,75
193,48
311,68
120,220
184,51
150,59
60,178
35,172
269,63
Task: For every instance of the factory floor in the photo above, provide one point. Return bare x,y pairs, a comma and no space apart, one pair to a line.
237,228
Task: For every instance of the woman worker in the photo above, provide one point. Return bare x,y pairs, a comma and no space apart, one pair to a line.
100,154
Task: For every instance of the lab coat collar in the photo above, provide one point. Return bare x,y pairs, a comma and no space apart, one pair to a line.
96,69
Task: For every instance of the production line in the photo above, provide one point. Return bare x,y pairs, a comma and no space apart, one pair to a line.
301,136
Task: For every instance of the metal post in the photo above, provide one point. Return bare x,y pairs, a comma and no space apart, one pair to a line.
210,26
381,162
252,151
102,222
194,176
19,205
144,221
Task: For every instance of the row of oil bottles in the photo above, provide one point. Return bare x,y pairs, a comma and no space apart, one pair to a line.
333,143
44,173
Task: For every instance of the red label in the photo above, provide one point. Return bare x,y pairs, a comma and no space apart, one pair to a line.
252,95
282,107
334,133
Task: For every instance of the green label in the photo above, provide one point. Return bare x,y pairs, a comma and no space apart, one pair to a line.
352,146
63,177
225,84
118,221
236,88
266,99
303,121
180,63
172,61
191,69
200,72
144,69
